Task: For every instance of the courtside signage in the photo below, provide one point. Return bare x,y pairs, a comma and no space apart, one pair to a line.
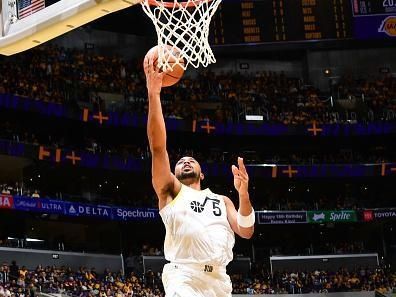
127,214
281,217
6,201
333,216
75,209
370,215
88,210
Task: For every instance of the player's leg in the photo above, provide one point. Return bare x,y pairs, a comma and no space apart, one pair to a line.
221,285
179,283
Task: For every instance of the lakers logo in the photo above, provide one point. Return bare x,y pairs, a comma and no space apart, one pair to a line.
388,26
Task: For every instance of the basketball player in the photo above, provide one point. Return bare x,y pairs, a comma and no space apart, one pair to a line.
199,224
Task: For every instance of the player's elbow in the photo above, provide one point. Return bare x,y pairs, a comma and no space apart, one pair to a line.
249,235
246,233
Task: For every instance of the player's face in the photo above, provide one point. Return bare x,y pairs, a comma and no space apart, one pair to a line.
187,168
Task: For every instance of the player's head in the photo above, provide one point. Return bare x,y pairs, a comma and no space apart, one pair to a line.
188,171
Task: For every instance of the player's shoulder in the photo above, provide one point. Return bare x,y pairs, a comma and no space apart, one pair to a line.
208,192
226,199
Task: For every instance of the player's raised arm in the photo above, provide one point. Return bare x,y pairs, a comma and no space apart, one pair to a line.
241,221
165,183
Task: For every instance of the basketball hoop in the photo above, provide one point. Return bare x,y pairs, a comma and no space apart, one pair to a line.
171,4
182,30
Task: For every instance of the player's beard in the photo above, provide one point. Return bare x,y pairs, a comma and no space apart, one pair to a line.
188,176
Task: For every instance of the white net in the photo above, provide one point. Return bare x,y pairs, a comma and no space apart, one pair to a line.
182,31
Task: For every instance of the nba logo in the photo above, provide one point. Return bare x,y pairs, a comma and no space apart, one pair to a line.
368,215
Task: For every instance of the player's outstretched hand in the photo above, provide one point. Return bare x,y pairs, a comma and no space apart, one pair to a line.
153,76
241,177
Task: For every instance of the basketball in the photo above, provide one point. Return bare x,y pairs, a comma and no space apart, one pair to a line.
170,77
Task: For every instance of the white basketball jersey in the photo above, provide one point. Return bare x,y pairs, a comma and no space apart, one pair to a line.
197,229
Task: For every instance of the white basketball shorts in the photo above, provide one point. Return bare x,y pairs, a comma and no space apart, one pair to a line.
192,280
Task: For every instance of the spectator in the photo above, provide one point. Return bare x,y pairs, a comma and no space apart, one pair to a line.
4,274
14,271
35,194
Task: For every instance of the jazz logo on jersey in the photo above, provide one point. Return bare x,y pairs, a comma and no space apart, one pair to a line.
388,26
199,207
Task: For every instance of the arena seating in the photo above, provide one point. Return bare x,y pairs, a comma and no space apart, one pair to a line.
67,76
18,281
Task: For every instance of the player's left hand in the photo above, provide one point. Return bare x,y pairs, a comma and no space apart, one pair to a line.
153,75
241,177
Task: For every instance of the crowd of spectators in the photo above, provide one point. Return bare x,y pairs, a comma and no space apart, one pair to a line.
282,196
57,74
15,282
381,91
318,281
60,75
265,197
53,138
18,189
22,282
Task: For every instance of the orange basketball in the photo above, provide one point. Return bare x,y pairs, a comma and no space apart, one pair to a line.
170,76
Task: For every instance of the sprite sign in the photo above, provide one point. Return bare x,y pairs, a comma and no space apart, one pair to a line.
331,216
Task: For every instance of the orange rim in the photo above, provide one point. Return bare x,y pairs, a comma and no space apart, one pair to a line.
176,4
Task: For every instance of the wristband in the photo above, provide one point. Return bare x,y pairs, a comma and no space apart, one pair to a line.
246,221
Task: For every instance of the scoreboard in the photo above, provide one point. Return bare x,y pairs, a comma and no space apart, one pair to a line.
373,7
374,19
258,21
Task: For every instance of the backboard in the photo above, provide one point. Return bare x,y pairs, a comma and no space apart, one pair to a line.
19,32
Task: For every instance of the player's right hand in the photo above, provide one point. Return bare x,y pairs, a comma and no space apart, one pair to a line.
153,76
241,177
